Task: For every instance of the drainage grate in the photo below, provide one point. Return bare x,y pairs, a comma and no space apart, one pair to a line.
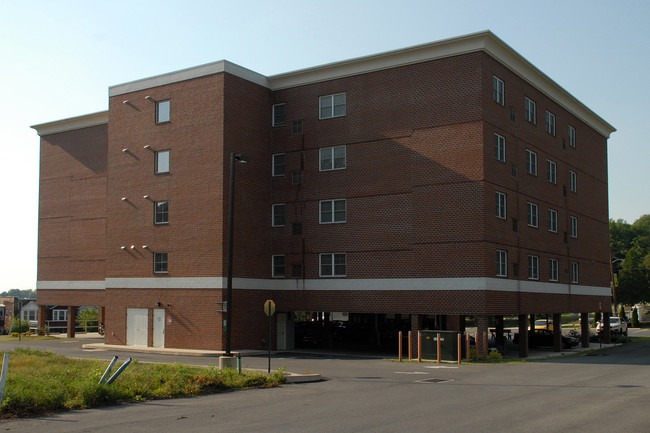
434,380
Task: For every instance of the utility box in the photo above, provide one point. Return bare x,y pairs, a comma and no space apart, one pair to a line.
448,345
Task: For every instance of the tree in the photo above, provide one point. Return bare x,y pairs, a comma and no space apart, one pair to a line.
630,247
635,318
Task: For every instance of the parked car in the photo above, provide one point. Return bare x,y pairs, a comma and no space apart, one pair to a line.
544,337
616,326
544,324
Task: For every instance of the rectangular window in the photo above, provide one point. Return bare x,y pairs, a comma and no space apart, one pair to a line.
279,164
502,263
331,106
533,268
332,158
58,315
550,123
161,164
160,263
574,272
552,220
296,127
332,265
332,211
572,136
573,181
279,215
498,93
161,212
553,270
531,162
278,266
500,199
500,148
163,111
551,171
533,214
531,111
279,116
574,227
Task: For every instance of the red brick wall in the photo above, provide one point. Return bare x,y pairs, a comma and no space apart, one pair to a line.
72,207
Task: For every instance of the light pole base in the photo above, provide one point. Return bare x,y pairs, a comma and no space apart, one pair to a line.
228,362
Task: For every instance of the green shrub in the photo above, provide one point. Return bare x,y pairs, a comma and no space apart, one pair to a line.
635,318
24,326
494,356
622,339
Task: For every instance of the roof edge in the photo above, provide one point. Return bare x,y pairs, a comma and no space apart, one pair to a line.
72,123
188,74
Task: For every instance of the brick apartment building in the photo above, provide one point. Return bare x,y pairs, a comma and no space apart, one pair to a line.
402,190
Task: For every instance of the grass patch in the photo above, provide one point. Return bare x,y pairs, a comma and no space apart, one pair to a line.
40,383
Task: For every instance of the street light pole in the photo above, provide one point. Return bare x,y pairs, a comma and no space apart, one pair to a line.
231,219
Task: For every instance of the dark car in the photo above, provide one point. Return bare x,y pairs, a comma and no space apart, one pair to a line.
544,337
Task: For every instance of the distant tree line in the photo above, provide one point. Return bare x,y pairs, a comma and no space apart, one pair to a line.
17,293
630,247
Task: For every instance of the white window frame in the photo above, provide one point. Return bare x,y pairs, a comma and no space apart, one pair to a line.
532,215
158,260
530,110
161,166
575,272
162,213
57,313
533,267
500,147
574,227
332,257
163,111
330,154
550,123
501,200
276,215
572,136
553,270
328,105
502,263
551,171
498,93
573,181
531,162
332,214
276,118
274,265
552,220
275,166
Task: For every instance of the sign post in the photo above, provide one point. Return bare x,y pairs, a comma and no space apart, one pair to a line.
269,310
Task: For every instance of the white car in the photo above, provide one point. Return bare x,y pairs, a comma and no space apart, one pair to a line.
616,326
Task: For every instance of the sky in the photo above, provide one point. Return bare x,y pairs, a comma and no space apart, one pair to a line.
58,58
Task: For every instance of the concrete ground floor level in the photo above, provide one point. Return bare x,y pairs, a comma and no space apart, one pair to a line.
353,319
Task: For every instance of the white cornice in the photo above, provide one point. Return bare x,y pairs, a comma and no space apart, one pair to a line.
188,74
484,41
72,123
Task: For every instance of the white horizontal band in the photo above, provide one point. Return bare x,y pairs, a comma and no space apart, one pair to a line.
323,284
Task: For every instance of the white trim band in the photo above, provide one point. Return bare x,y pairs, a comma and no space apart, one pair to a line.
335,284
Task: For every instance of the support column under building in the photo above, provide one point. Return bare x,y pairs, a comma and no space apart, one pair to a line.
557,333
72,319
42,316
584,330
481,335
416,324
523,335
607,335
499,338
